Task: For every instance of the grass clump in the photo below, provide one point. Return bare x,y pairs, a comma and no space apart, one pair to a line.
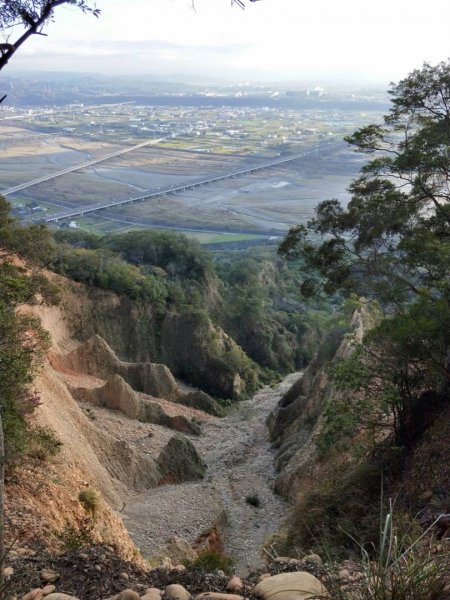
253,500
209,561
90,501
402,568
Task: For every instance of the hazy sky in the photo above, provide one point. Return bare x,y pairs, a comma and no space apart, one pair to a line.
271,39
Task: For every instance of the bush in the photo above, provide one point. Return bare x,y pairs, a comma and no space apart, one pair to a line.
74,539
90,501
254,500
209,561
402,568
43,444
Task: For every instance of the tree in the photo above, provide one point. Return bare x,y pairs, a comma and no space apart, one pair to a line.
392,243
21,338
30,17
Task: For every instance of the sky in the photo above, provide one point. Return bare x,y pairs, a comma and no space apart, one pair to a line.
272,40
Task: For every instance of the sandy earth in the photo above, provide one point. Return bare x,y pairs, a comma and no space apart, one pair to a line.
240,463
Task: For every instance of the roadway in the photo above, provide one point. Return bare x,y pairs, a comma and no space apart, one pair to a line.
69,214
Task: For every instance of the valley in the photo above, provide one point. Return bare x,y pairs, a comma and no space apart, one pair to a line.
57,161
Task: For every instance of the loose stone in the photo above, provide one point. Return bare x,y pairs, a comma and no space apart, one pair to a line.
176,592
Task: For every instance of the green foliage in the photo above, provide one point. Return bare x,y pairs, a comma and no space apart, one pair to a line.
344,505
402,568
42,444
253,500
262,311
90,501
209,561
179,256
108,271
73,538
21,344
391,243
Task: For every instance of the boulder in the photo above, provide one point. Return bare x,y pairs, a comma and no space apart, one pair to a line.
35,594
202,401
176,592
314,558
8,572
48,589
179,461
217,596
290,586
49,576
128,595
235,584
152,594
151,412
58,596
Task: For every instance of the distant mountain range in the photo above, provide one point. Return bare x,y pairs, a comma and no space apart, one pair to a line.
44,89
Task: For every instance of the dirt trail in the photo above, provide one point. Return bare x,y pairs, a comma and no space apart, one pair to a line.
240,464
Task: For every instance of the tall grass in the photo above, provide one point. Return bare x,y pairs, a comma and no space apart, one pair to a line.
403,567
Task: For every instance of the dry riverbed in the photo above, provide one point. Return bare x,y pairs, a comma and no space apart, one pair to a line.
240,464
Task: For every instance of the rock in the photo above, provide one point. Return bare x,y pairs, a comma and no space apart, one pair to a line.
281,560
179,461
128,595
58,596
264,576
344,575
167,564
179,568
8,572
152,594
124,576
35,594
179,550
217,596
235,584
290,586
202,401
118,395
49,576
48,589
176,592
314,558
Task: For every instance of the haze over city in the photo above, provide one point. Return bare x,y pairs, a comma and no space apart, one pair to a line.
286,40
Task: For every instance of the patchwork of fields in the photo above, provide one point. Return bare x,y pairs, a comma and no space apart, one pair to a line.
183,147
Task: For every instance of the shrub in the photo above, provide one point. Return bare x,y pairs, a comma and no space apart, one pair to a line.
208,561
253,500
74,539
402,568
90,501
43,444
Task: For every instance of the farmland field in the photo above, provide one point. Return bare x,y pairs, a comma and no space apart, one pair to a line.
182,146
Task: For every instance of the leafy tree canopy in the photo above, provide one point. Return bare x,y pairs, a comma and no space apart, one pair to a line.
20,19
392,240
392,243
